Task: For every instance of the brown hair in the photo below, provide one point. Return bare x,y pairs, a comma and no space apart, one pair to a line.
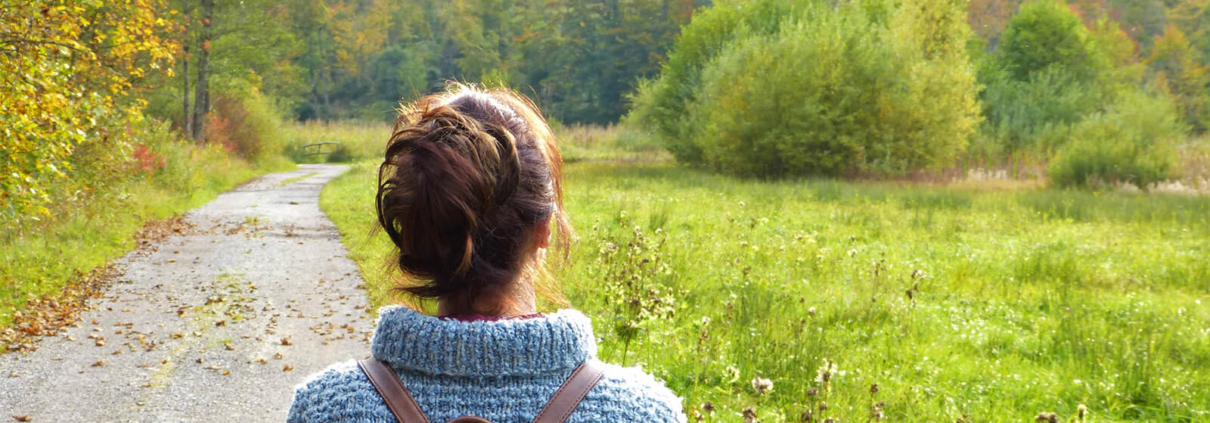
468,176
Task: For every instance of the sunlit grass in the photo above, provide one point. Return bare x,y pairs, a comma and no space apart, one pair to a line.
1021,300
79,236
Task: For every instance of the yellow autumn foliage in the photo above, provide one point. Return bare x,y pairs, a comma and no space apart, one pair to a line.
67,69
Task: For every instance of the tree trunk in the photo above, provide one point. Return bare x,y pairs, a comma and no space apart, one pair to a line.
186,118
201,106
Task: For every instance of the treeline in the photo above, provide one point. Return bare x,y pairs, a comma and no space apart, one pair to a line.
358,59
879,87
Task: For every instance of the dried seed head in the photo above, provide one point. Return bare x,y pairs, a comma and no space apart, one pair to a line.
873,389
806,416
811,392
750,415
823,406
708,407
761,385
1081,411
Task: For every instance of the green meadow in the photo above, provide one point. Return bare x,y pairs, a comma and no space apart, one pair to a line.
961,303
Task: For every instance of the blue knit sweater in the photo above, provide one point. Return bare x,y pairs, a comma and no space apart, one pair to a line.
503,371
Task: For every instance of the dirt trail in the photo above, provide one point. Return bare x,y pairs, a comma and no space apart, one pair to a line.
217,325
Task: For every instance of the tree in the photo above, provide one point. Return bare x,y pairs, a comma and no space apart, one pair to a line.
201,107
1173,59
1046,34
65,74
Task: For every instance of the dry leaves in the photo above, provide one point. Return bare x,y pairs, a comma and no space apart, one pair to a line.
46,316
23,418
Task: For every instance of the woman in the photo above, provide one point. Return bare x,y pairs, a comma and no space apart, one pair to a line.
468,192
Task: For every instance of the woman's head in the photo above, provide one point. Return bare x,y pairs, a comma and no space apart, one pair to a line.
467,192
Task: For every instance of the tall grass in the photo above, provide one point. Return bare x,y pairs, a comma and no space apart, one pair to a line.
357,140
959,303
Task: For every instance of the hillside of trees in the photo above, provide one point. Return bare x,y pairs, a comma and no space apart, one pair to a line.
1091,90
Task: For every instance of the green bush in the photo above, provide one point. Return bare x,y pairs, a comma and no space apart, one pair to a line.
1036,112
1133,142
868,87
1046,34
663,104
340,155
246,123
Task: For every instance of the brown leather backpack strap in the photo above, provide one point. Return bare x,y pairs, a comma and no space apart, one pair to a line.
571,393
392,391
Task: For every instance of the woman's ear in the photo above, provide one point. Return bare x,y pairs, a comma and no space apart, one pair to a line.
542,234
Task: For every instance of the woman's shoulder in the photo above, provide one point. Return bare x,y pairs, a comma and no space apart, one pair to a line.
340,383
633,395
342,375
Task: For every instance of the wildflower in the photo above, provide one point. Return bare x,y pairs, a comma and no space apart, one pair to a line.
1081,412
750,415
761,385
732,372
873,389
823,406
811,311
742,204
708,407
825,372
811,392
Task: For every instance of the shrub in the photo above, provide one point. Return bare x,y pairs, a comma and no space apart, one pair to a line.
340,155
1045,34
246,123
1039,111
867,87
663,104
1133,142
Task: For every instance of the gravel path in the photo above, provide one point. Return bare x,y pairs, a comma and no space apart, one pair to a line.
217,325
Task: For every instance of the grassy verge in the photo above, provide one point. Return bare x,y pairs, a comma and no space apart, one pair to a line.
83,234
959,303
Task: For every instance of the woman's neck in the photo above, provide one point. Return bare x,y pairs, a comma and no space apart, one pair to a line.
520,301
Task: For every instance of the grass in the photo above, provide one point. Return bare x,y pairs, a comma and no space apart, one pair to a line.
358,140
961,304
100,227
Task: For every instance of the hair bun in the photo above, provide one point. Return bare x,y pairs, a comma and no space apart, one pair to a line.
463,184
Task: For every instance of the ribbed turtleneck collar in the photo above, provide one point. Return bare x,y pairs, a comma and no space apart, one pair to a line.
554,342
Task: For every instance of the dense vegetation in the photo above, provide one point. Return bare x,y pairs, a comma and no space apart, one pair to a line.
779,87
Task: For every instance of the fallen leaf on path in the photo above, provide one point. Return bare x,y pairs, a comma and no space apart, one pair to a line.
220,323
99,363
226,372
278,356
286,341
287,368
23,418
